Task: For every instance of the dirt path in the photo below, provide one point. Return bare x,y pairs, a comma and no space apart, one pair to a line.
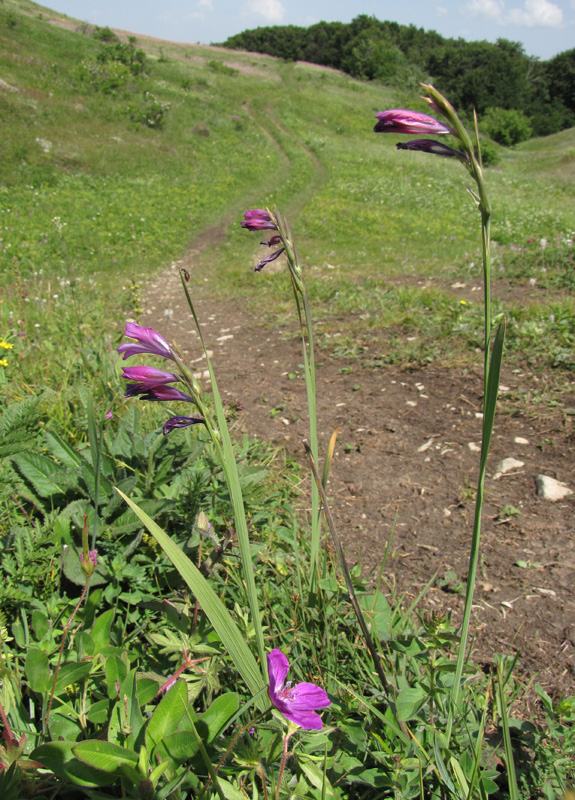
407,451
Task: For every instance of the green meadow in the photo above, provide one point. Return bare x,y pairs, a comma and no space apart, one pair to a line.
109,172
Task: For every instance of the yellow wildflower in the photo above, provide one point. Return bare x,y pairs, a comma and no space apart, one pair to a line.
3,362
5,345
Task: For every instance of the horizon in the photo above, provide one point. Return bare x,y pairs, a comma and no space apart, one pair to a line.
544,28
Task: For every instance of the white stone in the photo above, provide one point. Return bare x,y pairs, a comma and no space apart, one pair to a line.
550,489
475,448
425,446
520,440
506,466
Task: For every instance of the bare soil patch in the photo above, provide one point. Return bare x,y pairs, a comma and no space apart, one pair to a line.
404,458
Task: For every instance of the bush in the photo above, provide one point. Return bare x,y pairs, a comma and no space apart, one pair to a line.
506,126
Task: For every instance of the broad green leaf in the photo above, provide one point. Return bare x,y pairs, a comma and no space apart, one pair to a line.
147,690
103,755
40,625
72,673
212,606
38,670
230,791
73,570
59,758
176,747
409,702
167,715
101,630
219,713
63,728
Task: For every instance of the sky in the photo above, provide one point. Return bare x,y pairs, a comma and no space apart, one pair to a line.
545,28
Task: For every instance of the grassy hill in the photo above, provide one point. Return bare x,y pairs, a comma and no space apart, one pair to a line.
106,176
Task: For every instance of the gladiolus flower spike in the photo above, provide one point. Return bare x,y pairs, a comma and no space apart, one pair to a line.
297,703
401,121
150,383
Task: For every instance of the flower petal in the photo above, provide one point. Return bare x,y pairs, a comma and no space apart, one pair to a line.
308,720
307,697
278,666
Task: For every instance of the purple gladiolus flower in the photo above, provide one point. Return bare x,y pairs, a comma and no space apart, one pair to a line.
297,703
149,342
400,121
268,259
148,376
159,392
431,146
258,220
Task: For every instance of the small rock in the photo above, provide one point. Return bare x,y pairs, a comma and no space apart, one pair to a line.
45,144
7,86
506,466
425,446
458,285
411,403
521,440
550,489
475,448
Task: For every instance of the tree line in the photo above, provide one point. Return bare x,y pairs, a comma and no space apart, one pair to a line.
489,78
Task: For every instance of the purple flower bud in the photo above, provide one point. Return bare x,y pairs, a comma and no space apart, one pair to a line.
158,392
180,422
148,376
267,260
400,121
149,342
273,241
431,146
258,220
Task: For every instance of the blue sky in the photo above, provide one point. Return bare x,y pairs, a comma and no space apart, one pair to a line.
544,27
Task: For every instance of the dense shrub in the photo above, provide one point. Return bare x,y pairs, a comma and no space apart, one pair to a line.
506,126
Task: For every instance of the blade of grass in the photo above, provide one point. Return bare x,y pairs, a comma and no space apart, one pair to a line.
212,606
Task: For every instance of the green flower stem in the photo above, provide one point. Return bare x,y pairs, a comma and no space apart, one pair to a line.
491,361
306,329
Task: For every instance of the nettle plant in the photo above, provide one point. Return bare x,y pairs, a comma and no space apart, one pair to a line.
403,710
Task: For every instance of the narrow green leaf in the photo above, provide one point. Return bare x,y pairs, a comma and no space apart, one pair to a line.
62,450
492,392
212,606
38,470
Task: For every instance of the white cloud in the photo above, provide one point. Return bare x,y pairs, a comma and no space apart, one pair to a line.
270,10
201,8
534,14
486,8
441,11
537,14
